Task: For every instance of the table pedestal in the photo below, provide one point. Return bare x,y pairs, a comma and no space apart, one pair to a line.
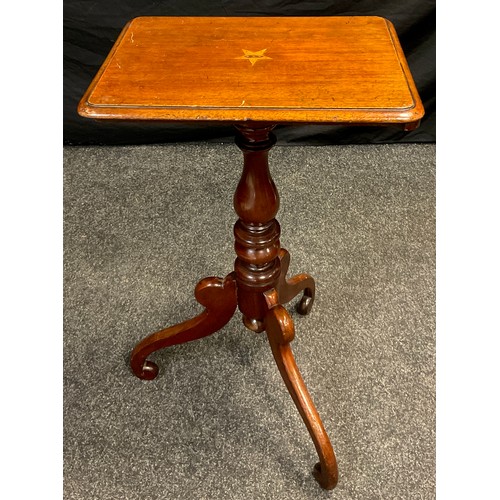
258,287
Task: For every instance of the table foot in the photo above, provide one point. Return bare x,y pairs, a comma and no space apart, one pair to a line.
280,332
219,298
290,288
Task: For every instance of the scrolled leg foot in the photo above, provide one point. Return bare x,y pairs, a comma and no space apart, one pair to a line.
148,370
290,288
219,298
327,480
305,305
280,332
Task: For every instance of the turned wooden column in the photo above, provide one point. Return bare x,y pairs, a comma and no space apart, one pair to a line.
256,201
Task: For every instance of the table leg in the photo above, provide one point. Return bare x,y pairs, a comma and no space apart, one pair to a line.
280,332
260,271
219,298
290,288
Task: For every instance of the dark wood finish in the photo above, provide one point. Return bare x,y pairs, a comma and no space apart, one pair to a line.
289,288
255,73
219,298
258,286
256,232
275,69
280,332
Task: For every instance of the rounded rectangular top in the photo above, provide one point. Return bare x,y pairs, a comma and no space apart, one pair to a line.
276,69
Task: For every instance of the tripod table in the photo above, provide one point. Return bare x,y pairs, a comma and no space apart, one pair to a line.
255,73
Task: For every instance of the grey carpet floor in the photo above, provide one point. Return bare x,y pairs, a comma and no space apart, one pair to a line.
143,224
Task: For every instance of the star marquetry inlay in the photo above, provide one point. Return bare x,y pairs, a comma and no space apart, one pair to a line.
253,57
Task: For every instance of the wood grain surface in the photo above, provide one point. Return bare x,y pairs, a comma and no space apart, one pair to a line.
275,69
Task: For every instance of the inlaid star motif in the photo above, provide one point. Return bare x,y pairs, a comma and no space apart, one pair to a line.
253,57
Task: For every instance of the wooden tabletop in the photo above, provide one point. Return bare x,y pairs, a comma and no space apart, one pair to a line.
275,69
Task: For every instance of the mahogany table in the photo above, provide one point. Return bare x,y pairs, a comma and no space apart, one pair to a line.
255,73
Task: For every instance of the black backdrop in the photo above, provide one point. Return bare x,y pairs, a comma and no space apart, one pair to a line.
91,27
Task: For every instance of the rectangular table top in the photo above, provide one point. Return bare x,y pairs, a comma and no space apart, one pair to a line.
276,69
